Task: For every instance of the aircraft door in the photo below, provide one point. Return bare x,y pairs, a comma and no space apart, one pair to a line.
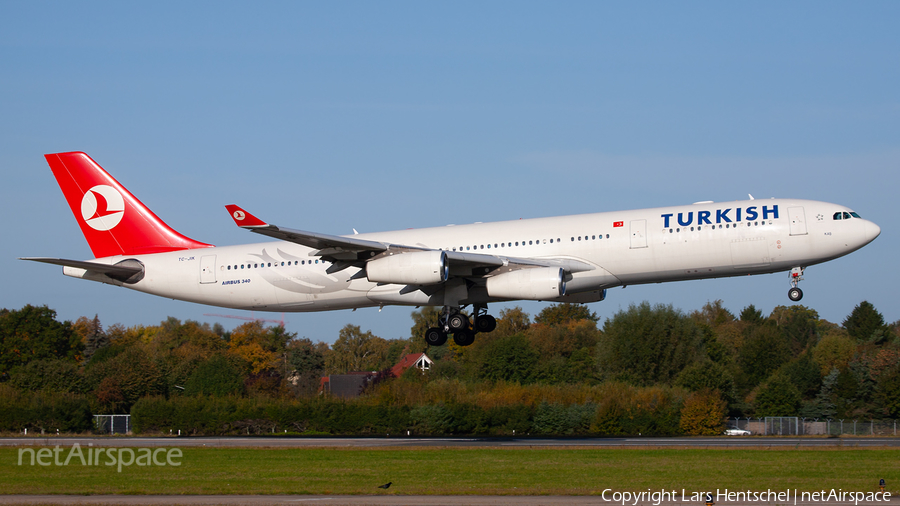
638,234
798,220
208,269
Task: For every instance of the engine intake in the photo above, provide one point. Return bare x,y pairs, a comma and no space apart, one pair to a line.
542,283
411,268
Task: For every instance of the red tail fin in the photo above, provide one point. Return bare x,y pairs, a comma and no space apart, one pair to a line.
113,221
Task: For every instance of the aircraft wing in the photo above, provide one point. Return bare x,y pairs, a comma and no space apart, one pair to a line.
327,245
345,252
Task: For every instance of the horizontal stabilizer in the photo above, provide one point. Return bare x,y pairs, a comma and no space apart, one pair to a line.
120,272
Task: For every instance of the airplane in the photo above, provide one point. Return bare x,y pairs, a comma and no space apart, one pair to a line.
559,259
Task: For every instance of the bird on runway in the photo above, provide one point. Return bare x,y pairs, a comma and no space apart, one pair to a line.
386,485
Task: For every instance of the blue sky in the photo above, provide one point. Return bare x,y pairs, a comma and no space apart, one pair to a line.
381,116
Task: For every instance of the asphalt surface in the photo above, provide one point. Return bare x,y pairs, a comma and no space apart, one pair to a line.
303,442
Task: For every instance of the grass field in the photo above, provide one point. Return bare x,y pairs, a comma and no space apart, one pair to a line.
493,471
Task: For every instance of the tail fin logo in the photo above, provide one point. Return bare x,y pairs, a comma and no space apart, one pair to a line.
102,207
239,215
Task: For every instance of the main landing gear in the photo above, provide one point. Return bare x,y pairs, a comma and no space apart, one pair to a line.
451,321
795,293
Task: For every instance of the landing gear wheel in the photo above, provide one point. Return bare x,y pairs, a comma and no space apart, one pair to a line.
795,294
435,337
464,337
485,323
458,322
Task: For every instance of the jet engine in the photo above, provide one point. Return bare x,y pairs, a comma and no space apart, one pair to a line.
542,283
411,268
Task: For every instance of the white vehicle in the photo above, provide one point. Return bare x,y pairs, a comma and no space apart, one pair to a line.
560,259
737,432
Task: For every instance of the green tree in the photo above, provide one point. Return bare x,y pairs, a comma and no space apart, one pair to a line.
216,376
798,324
32,333
707,375
56,375
356,350
511,321
778,397
557,314
305,364
864,321
887,392
764,351
645,345
805,374
752,316
119,381
509,358
713,314
92,335
834,351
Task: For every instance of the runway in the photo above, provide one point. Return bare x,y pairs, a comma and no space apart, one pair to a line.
393,441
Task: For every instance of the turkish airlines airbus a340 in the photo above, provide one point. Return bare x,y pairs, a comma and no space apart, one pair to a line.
561,259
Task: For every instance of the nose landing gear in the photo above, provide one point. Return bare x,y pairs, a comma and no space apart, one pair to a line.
795,293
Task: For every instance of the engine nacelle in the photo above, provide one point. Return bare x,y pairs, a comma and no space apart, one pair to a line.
542,283
411,268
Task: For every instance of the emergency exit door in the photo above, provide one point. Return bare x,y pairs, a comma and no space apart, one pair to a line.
208,269
798,220
638,234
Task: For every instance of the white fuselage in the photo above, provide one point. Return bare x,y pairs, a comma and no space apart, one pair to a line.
704,240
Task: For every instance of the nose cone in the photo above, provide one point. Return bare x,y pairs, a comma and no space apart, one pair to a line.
872,231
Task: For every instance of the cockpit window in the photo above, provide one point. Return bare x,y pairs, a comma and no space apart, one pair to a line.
837,215
846,216
854,214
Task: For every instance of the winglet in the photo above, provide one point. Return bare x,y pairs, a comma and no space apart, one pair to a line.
244,219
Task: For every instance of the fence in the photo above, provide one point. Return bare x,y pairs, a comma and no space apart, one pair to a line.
799,426
112,424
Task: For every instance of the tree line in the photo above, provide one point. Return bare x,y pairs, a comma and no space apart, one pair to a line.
647,369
